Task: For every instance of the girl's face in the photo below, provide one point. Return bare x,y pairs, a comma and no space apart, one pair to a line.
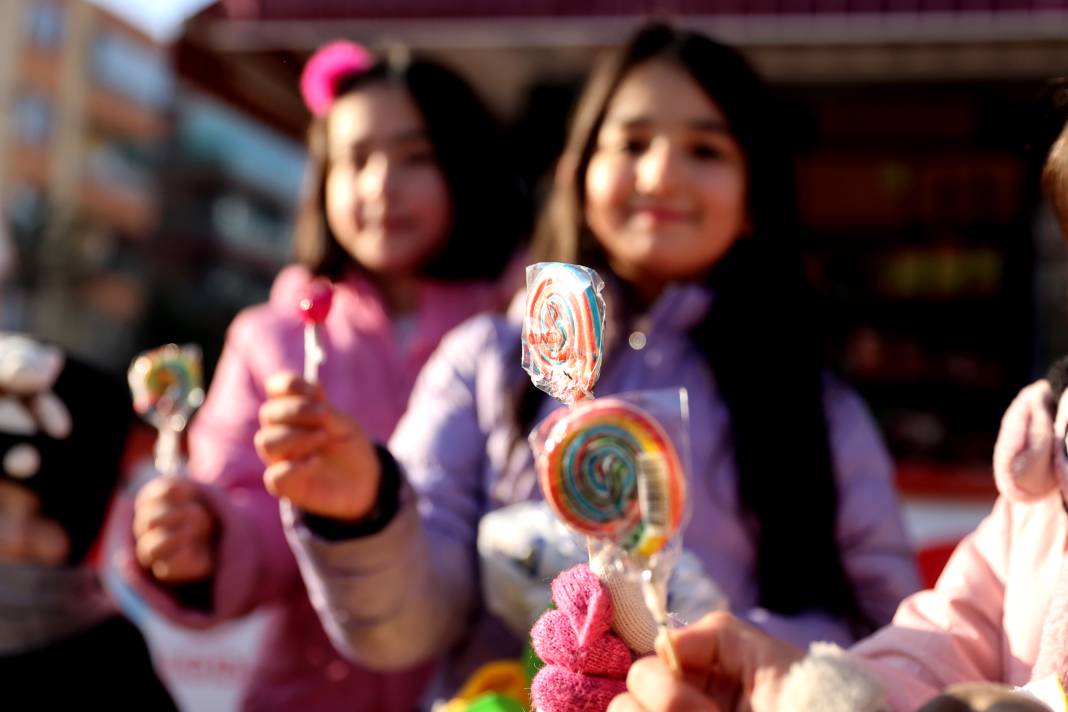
386,198
665,191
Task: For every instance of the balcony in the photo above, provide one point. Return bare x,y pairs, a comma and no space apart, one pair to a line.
131,211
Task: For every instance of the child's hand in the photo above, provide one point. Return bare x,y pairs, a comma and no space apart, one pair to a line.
727,664
25,536
174,531
316,456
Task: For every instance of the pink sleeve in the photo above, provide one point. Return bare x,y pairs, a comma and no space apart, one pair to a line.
255,563
953,632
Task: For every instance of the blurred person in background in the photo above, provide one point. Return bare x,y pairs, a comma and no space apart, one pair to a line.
63,428
412,214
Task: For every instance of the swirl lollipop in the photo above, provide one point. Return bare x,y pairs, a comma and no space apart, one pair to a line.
609,471
313,305
166,384
563,330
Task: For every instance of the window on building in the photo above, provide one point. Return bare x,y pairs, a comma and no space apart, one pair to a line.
44,23
129,67
32,118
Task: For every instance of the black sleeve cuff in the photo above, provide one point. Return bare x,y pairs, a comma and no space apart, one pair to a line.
382,513
195,594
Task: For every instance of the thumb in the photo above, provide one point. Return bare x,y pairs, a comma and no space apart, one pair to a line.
712,645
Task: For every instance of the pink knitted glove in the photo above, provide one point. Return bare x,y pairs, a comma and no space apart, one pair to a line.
585,662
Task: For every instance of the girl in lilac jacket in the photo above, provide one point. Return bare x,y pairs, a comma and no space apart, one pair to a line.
996,620
673,187
413,217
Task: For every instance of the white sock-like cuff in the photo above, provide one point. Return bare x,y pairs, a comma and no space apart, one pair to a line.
827,680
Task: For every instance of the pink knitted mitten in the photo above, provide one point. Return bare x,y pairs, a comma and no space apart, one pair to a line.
585,662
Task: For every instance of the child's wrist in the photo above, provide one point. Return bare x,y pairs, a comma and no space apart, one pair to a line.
382,512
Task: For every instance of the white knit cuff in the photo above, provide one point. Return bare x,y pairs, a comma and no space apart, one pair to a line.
827,680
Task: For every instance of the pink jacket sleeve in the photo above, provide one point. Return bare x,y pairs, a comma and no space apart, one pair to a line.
255,565
953,632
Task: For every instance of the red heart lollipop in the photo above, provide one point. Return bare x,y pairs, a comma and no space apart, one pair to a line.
314,301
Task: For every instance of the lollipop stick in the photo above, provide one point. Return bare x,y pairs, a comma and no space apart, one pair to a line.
654,601
167,454
313,354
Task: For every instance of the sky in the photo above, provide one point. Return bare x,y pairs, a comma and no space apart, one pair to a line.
159,18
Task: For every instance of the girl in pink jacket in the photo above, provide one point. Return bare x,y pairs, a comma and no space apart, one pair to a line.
412,215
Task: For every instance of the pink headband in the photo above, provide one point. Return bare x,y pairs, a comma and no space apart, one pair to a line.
331,62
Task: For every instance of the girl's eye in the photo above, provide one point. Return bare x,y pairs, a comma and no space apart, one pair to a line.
706,152
418,156
634,146
357,160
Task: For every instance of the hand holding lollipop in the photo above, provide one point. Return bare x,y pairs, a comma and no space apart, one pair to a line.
167,386
313,306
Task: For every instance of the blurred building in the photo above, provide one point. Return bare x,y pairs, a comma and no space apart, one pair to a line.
228,192
85,100
911,120
143,211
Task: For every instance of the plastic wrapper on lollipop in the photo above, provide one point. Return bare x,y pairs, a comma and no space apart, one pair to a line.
614,469
563,329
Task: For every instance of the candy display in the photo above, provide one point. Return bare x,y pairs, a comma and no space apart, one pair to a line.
563,329
313,305
167,386
609,471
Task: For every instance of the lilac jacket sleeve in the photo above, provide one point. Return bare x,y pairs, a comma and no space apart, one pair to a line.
877,556
406,594
254,564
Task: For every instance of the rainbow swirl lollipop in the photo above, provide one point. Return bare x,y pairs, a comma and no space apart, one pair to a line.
609,471
166,384
563,330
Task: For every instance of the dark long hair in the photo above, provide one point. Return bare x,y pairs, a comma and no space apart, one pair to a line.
490,209
757,336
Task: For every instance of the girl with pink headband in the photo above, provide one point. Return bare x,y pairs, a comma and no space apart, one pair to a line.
411,214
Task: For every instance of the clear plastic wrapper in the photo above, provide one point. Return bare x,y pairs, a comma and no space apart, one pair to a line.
614,469
167,386
563,329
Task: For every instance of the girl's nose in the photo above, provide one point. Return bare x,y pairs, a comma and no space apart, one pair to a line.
659,169
377,176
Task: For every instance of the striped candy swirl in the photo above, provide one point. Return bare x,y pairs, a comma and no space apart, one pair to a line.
563,330
589,473
166,383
